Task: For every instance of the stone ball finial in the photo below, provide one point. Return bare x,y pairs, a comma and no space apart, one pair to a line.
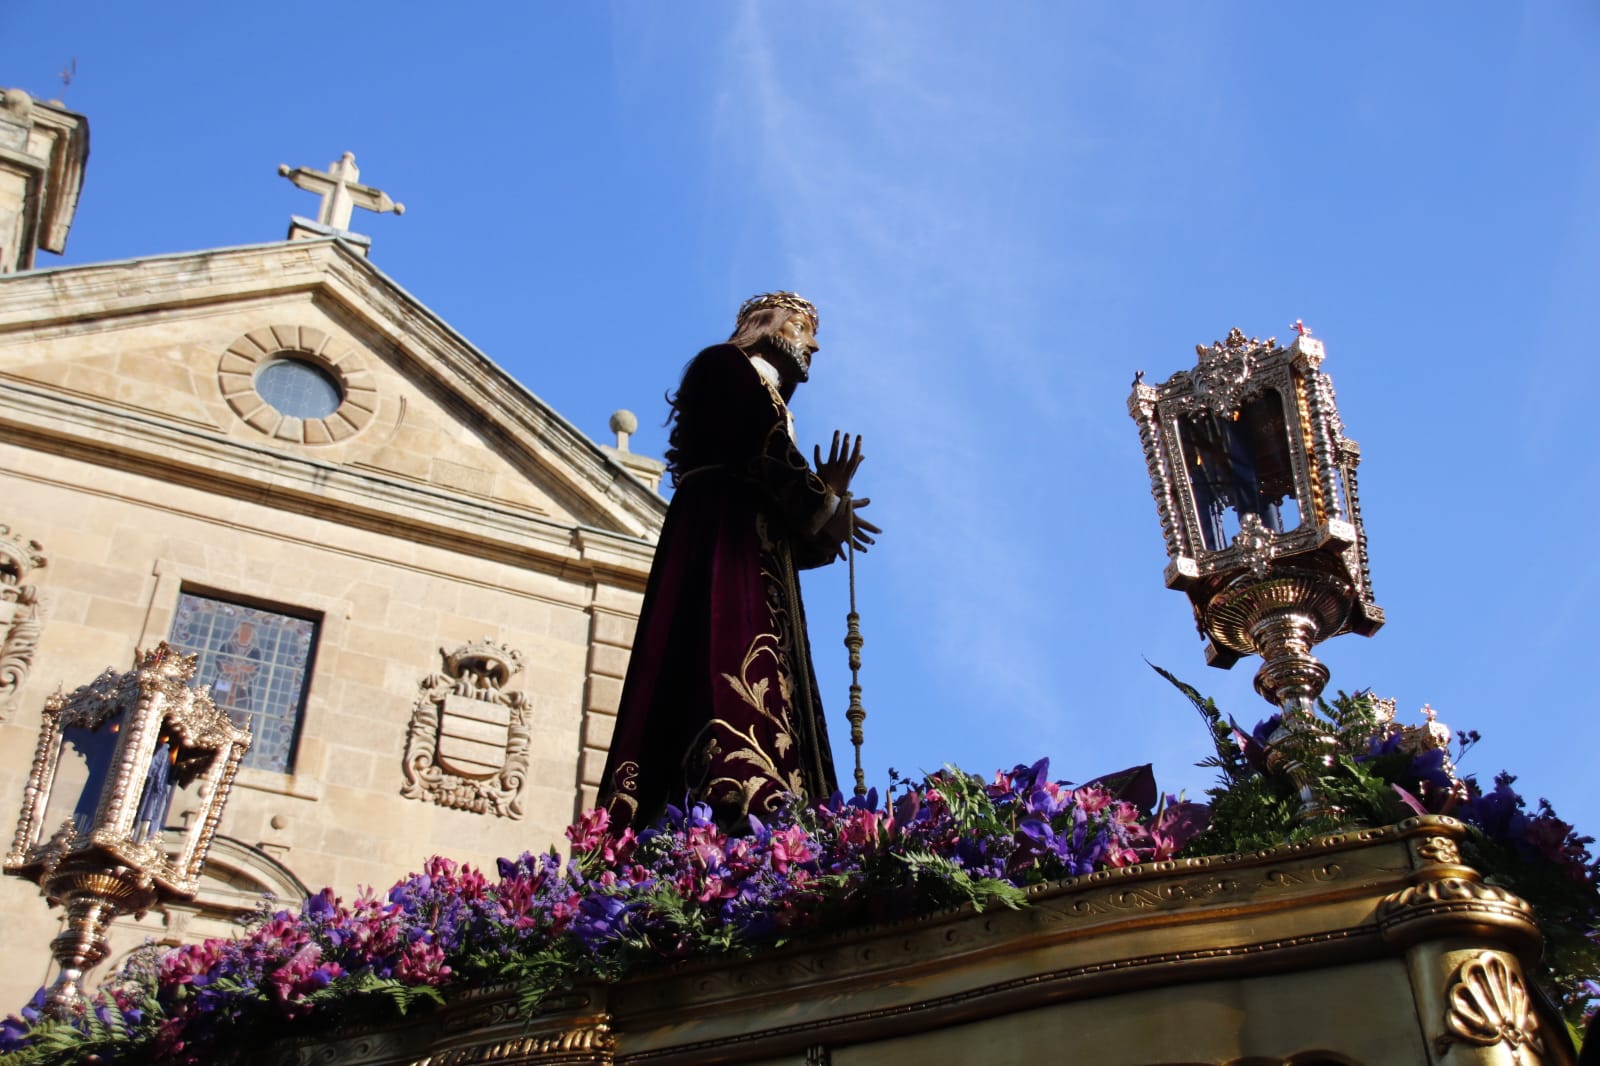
17,101
624,423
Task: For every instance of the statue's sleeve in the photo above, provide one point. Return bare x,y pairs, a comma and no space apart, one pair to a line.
803,501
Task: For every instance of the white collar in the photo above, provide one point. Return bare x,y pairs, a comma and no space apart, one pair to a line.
768,372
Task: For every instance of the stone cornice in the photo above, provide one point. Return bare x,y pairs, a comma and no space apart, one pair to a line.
68,300
208,461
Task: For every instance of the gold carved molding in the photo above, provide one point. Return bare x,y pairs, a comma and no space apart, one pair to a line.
1441,850
589,1044
1422,910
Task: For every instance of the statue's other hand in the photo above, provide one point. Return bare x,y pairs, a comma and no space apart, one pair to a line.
849,524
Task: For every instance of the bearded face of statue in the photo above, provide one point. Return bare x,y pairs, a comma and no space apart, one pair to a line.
794,342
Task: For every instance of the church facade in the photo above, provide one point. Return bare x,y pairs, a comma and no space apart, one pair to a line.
415,580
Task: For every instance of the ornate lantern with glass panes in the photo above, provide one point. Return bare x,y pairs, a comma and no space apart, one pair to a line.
1255,485
111,758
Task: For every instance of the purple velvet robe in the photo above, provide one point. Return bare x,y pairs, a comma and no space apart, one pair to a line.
720,704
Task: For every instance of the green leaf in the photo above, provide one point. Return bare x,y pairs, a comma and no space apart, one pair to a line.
1228,758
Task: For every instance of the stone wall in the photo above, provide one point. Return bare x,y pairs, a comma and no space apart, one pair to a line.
439,506
120,547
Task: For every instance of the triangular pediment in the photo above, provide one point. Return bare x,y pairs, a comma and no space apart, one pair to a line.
159,361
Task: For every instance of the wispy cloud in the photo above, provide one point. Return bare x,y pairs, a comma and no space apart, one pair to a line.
913,262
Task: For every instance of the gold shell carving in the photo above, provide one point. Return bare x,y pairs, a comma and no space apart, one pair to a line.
1488,1005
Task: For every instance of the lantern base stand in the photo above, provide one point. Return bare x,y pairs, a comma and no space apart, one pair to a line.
94,897
1281,619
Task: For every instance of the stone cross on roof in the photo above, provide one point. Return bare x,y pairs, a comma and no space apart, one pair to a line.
341,194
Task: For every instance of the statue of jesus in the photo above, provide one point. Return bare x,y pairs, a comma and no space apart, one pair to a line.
720,705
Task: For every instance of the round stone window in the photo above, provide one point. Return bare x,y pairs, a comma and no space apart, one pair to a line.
298,384
299,388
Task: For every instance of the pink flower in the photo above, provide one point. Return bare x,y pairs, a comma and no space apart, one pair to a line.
788,846
304,972
591,836
590,828
182,965
422,963
1092,799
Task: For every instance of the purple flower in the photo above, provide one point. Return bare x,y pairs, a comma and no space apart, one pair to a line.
1498,813
1382,744
15,1031
601,918
320,907
1254,746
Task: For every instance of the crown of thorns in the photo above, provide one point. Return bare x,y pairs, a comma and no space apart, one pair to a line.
787,300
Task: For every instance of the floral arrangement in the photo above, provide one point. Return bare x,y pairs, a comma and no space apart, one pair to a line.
683,887
688,887
1374,770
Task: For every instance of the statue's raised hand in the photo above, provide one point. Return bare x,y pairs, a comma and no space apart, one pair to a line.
836,471
840,466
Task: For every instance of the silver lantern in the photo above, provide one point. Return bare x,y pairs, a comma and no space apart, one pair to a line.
1255,486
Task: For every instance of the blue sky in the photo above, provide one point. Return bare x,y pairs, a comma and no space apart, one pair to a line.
1002,212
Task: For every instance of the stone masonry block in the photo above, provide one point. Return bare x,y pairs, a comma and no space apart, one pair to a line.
338,426
461,478
312,339
614,629
383,643
104,582
363,396
598,730
605,694
608,660
406,464
236,382
115,617
593,766
264,418
619,600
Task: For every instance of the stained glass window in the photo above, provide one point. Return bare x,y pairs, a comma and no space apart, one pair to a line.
258,664
298,388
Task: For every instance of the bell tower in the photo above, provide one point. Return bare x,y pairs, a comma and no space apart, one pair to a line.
43,149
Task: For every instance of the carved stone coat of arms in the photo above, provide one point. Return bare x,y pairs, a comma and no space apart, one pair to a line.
467,746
